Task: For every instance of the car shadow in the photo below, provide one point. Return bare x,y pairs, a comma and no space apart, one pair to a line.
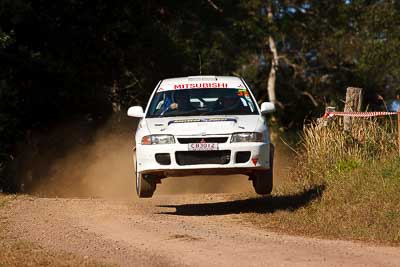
267,204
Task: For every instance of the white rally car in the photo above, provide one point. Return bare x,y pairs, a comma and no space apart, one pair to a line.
202,125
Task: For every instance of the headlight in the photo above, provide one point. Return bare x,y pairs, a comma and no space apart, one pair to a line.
158,140
247,137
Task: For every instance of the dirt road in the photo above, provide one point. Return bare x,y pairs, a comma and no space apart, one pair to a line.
174,230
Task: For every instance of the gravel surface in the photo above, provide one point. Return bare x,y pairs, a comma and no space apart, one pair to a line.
153,233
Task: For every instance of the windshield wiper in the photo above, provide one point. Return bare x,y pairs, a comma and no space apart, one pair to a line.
213,112
176,113
221,112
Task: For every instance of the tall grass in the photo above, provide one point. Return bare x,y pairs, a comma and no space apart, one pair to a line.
360,171
357,178
331,149
354,180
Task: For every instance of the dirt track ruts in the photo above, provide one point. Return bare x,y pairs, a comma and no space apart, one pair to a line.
152,233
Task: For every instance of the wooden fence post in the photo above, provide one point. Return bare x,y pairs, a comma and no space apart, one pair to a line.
328,109
398,129
353,103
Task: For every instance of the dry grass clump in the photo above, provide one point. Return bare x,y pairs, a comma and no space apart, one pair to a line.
327,149
361,173
4,199
354,179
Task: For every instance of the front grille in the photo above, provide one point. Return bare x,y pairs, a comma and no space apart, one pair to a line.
202,140
203,157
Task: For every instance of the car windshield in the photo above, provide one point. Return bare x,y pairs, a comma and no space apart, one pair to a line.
201,101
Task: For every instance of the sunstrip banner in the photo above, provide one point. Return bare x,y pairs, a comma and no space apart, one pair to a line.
202,120
199,85
358,114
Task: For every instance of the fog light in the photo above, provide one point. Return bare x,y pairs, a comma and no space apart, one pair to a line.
163,158
242,157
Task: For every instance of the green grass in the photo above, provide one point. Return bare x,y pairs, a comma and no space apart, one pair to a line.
360,174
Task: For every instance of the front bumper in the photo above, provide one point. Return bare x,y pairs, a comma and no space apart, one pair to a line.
259,159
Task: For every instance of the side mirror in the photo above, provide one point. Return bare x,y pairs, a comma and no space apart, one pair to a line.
267,107
136,111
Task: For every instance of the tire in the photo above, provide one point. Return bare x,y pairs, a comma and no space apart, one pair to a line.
263,180
145,185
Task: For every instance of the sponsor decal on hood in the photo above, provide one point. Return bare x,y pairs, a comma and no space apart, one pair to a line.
208,125
202,120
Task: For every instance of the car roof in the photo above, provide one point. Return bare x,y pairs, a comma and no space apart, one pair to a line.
201,82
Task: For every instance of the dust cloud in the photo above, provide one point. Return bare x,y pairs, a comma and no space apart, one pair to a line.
101,168
104,168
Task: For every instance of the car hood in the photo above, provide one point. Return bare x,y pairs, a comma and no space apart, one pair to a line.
210,125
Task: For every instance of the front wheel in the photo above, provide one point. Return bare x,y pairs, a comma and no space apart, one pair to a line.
263,180
145,185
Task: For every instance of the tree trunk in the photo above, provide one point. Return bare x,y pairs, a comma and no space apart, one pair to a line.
274,61
116,106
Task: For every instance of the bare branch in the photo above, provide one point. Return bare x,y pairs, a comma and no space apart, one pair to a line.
315,103
297,69
211,2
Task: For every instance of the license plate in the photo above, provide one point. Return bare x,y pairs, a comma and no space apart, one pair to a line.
203,146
